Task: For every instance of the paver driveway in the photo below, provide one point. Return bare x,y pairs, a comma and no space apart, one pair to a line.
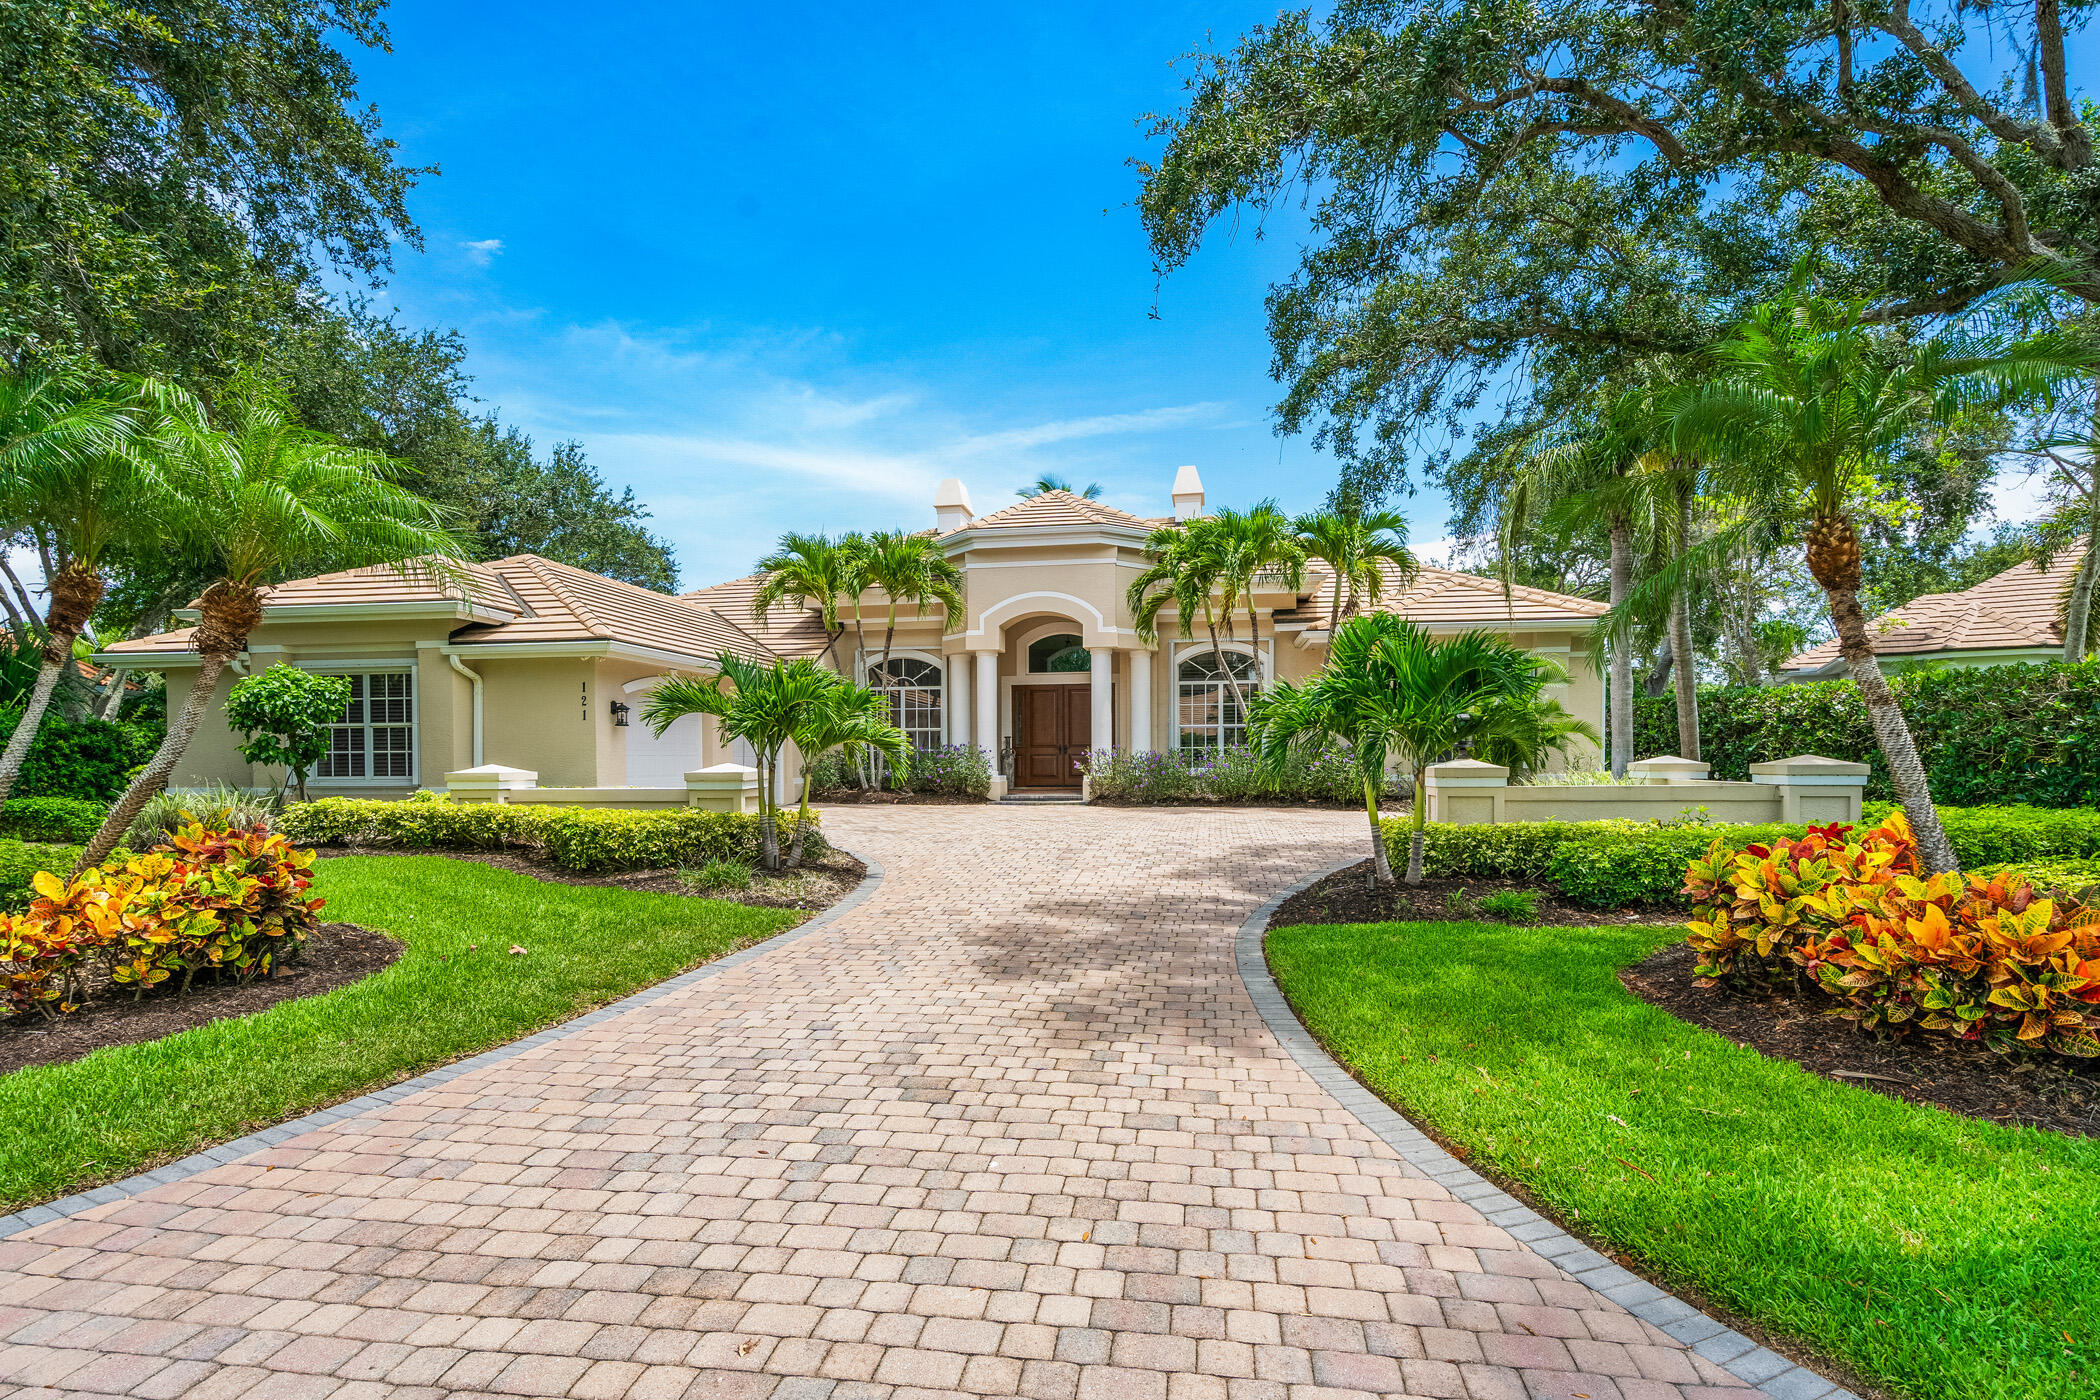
1010,1128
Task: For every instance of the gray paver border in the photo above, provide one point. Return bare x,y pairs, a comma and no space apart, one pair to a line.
33,1216
1776,1375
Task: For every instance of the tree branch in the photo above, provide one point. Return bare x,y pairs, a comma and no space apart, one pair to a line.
2049,39
2040,139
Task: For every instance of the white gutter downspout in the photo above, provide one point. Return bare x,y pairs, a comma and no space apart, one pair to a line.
475,680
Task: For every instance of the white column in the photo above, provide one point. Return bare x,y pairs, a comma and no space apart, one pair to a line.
1140,739
1102,673
988,705
958,699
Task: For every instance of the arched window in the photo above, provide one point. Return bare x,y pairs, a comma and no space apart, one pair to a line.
1063,652
1207,717
914,691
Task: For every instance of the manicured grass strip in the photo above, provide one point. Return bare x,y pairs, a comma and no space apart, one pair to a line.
1936,1255
64,1128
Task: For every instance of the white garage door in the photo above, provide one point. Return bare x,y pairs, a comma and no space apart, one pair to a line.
654,762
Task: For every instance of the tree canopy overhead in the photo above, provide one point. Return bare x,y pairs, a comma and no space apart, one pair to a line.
1561,186
179,170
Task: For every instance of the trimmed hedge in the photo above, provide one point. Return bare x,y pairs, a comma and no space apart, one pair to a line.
62,819
19,863
1616,864
589,840
89,759
2027,734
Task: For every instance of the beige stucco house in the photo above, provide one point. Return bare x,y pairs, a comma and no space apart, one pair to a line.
537,666
2010,618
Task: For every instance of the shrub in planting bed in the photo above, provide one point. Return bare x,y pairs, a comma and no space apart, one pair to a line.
51,819
1975,957
1625,864
589,840
224,902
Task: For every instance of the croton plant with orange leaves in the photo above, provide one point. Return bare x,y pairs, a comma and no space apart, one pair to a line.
230,902
1977,957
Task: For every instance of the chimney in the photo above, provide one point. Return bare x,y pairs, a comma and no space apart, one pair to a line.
1188,494
951,506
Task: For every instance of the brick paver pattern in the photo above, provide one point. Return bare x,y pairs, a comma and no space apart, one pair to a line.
1009,1128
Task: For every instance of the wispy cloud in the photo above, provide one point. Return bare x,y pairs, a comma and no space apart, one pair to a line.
481,250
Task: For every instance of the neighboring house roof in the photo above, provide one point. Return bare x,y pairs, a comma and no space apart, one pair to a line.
2013,610
476,587
787,630
521,599
1057,508
1447,598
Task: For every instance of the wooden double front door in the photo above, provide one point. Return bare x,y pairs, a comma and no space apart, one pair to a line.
1053,729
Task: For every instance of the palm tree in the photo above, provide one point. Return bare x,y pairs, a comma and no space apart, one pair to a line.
809,571
763,705
1364,548
1587,459
1390,690
1258,546
851,718
78,473
1523,735
1048,482
1814,398
913,569
1186,570
256,501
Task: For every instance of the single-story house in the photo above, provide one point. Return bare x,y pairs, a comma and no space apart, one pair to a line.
2013,617
534,665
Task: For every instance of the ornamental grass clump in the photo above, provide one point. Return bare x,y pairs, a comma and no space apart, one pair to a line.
232,903
1977,957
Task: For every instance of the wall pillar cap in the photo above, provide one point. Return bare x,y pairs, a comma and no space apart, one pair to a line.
492,775
1811,765
1466,772
1670,768
722,772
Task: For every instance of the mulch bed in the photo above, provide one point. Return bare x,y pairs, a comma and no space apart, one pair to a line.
336,956
1346,897
1966,1079
1318,804
810,887
855,797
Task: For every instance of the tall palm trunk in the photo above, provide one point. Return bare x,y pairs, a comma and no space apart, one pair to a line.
2078,605
76,591
1833,559
17,753
154,777
1686,682
1381,867
1621,736
801,819
1421,821
1739,620
768,829
1232,683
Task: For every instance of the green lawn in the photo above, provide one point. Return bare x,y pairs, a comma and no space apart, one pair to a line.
1936,1255
67,1127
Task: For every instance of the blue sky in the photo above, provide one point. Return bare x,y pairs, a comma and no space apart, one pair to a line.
787,266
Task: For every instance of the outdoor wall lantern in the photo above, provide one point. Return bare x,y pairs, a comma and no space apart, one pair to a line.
619,712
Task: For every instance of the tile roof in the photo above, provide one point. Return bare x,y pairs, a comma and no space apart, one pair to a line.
568,604
1052,508
2017,608
528,599
787,630
1447,598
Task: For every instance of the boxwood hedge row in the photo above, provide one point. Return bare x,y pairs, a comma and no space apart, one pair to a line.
2015,734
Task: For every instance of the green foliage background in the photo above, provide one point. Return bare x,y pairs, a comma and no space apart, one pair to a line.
85,758
2023,734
